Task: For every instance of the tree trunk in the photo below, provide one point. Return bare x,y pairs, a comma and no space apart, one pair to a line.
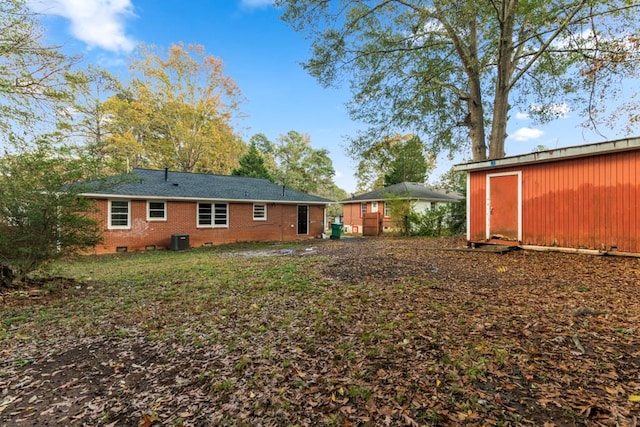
503,83
6,276
476,120
499,128
474,102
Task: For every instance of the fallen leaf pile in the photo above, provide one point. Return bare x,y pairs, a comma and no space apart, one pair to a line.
349,332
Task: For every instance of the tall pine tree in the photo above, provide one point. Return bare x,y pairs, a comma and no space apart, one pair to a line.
252,164
409,163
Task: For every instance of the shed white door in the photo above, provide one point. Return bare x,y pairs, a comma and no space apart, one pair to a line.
504,206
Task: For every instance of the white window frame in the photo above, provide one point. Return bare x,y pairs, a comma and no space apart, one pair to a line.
262,209
216,207
215,213
198,223
110,225
363,209
386,210
164,210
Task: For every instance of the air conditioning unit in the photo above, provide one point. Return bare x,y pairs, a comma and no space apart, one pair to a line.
179,242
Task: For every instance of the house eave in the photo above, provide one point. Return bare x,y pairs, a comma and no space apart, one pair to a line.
199,199
345,202
566,153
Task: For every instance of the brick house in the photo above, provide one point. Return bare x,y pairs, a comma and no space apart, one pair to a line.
375,204
150,209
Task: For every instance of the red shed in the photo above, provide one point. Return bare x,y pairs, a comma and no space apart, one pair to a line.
583,197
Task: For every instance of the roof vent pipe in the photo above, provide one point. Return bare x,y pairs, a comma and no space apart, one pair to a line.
166,174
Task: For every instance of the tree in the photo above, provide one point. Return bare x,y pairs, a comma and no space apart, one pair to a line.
88,118
454,181
41,215
393,160
178,110
252,164
399,209
131,123
30,72
409,163
293,162
451,71
299,165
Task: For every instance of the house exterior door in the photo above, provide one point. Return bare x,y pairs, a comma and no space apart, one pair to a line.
504,206
303,219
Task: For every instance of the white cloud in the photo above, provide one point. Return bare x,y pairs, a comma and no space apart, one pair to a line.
526,134
522,116
98,23
257,3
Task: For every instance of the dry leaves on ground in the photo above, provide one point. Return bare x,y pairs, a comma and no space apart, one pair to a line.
387,331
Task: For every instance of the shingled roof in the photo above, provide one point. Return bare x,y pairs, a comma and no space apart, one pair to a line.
170,185
405,190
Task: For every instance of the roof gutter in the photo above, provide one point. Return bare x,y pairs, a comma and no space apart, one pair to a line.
200,199
615,146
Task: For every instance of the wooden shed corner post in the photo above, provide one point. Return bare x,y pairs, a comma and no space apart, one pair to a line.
468,208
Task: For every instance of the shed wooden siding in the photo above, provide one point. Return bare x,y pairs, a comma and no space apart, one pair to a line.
590,202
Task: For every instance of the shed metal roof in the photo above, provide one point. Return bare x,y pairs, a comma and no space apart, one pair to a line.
170,185
554,155
404,190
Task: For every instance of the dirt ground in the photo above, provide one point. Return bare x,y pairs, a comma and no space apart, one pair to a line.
473,338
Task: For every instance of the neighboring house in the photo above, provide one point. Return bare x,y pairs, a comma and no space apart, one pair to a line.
583,197
377,204
150,209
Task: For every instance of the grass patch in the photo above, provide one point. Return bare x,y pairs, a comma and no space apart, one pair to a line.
294,340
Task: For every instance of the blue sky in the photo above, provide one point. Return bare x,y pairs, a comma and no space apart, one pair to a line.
262,55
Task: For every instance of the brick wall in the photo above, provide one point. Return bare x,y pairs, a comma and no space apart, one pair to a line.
351,214
281,225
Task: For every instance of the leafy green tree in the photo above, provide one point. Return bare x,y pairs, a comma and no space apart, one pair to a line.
267,149
252,164
393,160
400,210
131,124
31,72
177,112
455,182
451,71
373,165
293,162
409,164
300,166
41,215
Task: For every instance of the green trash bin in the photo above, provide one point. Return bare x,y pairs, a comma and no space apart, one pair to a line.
336,230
